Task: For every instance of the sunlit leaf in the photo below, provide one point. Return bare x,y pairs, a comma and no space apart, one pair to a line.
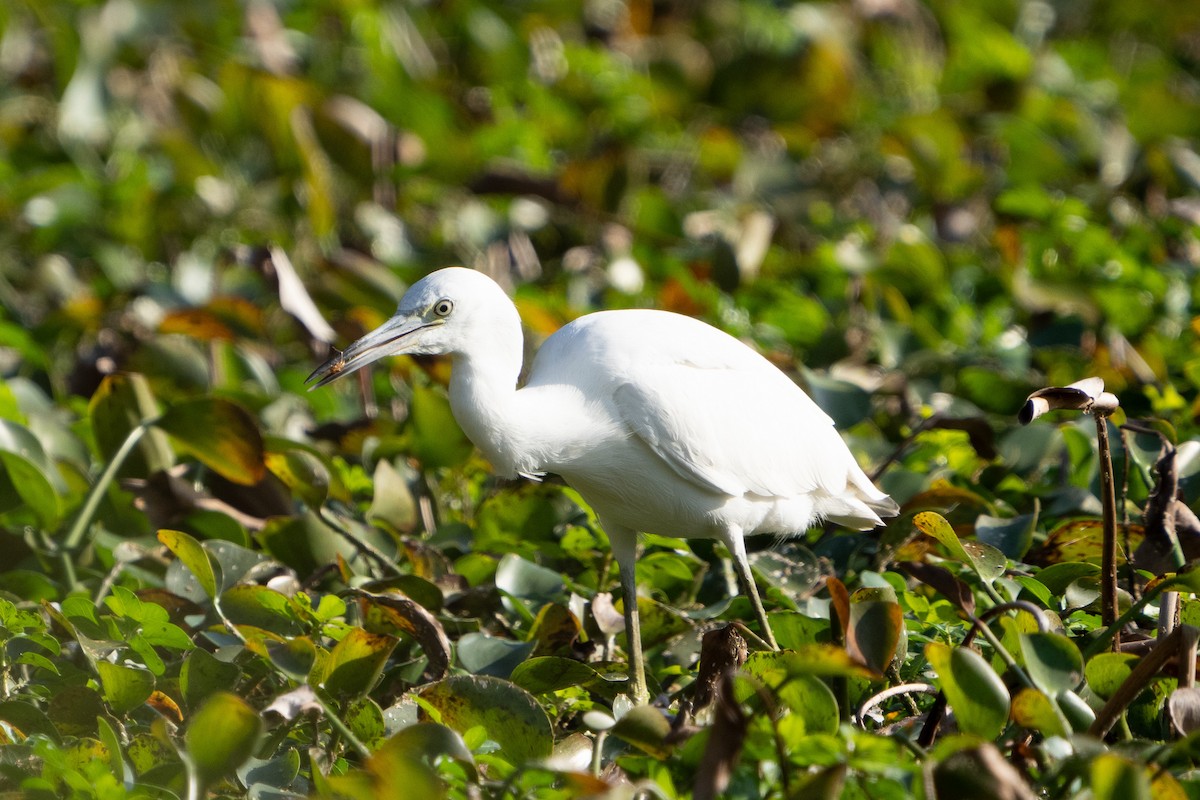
975,692
221,736
124,688
355,663
509,715
221,435
193,556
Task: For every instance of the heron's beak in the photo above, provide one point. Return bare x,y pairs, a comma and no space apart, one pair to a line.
393,338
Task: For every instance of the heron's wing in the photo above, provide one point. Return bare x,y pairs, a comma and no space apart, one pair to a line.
735,428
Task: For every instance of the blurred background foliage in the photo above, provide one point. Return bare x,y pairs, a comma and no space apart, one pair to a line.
916,208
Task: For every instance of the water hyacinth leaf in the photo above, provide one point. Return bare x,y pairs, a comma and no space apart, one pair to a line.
876,630
646,728
823,660
973,689
987,562
1114,777
294,656
221,736
979,772
547,674
555,630
508,714
431,741
122,402
1012,537
277,772
203,675
301,472
355,663
393,610
124,688
193,556
1083,541
234,562
393,503
1106,672
262,607
659,621
1076,710
481,654
1057,577
364,718
438,441
525,580
28,719
221,435
23,484
1052,661
845,402
1035,711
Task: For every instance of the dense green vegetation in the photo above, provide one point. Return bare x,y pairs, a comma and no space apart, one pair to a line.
215,582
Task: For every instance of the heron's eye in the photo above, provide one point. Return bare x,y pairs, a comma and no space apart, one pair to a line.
443,307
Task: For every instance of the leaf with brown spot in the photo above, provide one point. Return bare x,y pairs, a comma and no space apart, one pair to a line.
221,435
399,611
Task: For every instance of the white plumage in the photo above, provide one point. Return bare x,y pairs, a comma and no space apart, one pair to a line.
662,423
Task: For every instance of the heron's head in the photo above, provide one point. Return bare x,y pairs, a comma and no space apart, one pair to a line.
453,311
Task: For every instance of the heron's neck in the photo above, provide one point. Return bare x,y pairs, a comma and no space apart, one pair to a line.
484,399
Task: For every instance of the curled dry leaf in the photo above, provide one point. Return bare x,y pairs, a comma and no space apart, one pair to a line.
608,619
1184,706
407,615
1087,395
301,700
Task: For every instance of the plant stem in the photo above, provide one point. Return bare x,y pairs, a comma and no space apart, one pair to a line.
1108,559
80,527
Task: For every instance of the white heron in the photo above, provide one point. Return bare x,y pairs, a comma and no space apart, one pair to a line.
662,423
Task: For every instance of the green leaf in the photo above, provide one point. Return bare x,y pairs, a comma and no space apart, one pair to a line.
1114,777
364,718
124,688
508,714
428,741
975,692
547,674
301,472
393,503
262,607
481,654
1032,709
1052,660
123,401
221,435
22,483
987,562
438,441
1106,672
525,580
193,556
294,657
825,660
203,675
355,663
646,728
221,735
1013,537
876,630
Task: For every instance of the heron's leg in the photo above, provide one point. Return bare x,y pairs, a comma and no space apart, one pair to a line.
624,548
735,541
